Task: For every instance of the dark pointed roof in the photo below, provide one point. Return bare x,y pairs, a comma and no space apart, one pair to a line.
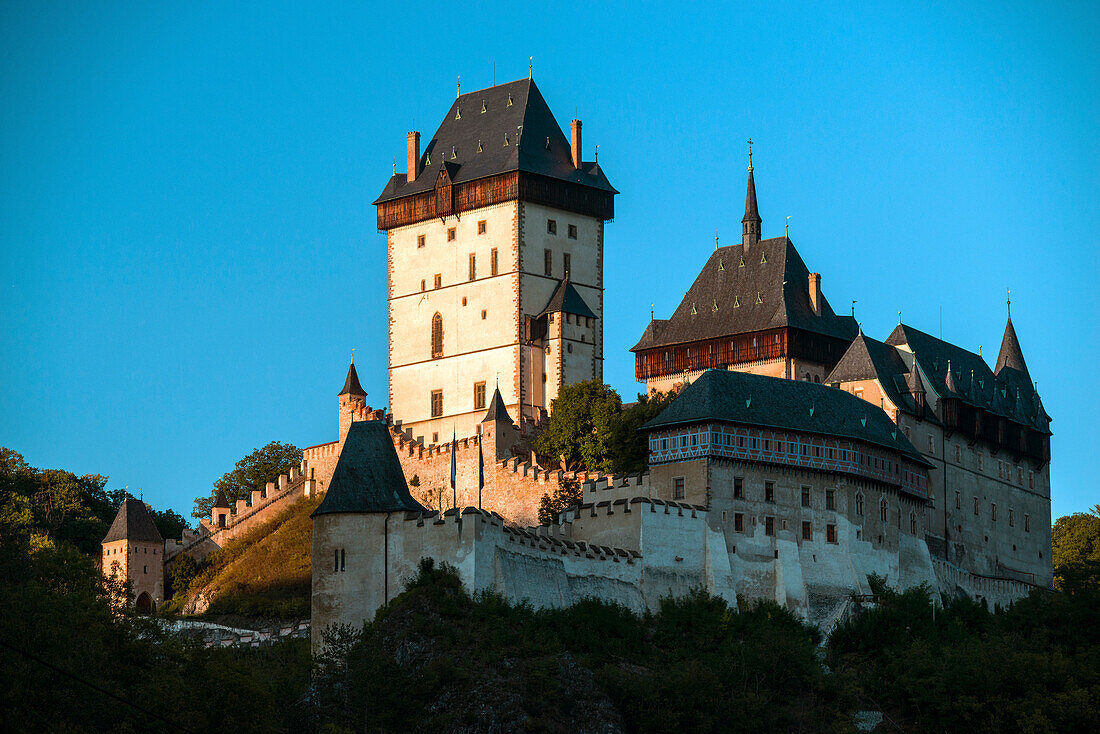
368,475
913,381
351,384
870,359
566,299
220,500
472,142
133,522
949,381
751,212
1011,355
732,279
771,402
497,411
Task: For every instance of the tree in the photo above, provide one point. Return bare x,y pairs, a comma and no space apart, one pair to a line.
1076,541
568,494
630,450
582,426
181,573
169,522
253,472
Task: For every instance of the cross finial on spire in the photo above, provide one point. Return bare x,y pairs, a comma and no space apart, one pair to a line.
651,312
598,152
750,154
787,227
458,87
715,239
531,67
1008,303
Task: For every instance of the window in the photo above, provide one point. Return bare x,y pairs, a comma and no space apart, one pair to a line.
493,261
882,509
483,314
830,499
859,505
912,523
769,526
145,569
830,533
479,396
1019,475
975,505
438,280
738,522
423,285
437,403
931,445
421,240
437,335
738,488
473,266
221,520
958,454
993,511
450,234
769,491
548,262
1027,523
807,531
566,261
805,496
1031,480
1011,517
981,462
435,438
572,231
958,500
678,488
481,226
551,226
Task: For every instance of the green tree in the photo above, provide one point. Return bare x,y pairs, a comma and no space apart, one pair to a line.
581,429
169,522
1076,541
252,472
568,494
629,446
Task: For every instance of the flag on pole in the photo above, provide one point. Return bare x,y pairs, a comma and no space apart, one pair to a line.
480,473
454,471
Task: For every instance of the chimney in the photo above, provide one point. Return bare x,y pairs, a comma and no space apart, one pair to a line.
575,132
815,293
413,163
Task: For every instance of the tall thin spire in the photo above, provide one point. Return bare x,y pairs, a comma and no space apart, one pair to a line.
1011,355
750,224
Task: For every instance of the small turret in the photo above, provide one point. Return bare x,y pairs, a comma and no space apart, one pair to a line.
353,402
219,512
498,432
1011,356
916,389
750,223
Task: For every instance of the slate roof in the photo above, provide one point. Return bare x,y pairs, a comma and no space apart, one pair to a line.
496,411
470,142
773,270
220,500
566,299
752,213
792,405
870,359
1011,355
133,522
368,476
351,384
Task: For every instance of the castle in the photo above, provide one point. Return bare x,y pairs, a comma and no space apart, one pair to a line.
799,457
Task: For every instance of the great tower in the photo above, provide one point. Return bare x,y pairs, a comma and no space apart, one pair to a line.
495,249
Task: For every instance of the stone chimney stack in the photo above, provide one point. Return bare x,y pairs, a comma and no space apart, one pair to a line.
575,132
815,293
413,163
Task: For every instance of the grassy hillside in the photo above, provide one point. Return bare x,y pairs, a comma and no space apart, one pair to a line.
265,573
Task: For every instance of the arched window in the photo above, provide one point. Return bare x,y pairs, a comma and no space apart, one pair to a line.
882,509
859,505
437,336
912,523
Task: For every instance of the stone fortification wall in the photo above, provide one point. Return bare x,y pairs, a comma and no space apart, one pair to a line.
220,635
953,580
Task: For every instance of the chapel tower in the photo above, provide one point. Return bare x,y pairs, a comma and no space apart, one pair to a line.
495,249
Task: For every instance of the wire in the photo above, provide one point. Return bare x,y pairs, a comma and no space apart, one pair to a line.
94,687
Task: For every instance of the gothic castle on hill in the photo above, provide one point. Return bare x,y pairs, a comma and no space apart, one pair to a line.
800,456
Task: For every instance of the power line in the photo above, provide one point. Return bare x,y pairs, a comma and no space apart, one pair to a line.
94,687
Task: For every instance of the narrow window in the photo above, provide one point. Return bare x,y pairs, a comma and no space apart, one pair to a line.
572,231
807,531
739,522
830,533
493,261
739,488
882,509
931,445
830,499
805,496
1031,480
678,488
859,505
1011,517
481,226
769,491
438,280
912,523
450,234
993,511
958,500
479,396
975,505
566,262
551,226
548,262
1027,523
421,240
423,285
342,559
437,335
769,526
958,454
981,462
473,266
437,403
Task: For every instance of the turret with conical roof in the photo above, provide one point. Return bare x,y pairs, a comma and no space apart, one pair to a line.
353,401
1011,356
219,511
750,223
498,432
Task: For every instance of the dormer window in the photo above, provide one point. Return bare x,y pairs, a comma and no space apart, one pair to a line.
742,263
736,302
484,109
509,100
763,259
428,159
479,146
454,153
458,113
759,297
505,140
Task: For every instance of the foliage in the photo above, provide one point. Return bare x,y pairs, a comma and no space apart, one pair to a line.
253,472
169,522
1076,540
581,426
630,449
568,494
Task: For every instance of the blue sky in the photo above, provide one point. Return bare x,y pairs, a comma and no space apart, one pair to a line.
189,252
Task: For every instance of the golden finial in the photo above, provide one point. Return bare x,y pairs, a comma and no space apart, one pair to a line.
787,227
458,87
1009,303
353,355
530,67
750,154
715,239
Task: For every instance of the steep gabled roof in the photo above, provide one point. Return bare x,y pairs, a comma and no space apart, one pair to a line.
793,405
500,129
133,522
566,299
496,411
870,359
740,291
351,383
220,500
1011,356
368,475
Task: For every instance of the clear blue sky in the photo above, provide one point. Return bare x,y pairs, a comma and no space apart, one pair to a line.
189,251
